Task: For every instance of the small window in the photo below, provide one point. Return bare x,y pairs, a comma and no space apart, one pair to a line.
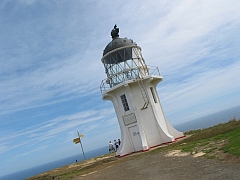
153,95
124,102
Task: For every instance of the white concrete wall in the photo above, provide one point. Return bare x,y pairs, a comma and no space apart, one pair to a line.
161,116
153,127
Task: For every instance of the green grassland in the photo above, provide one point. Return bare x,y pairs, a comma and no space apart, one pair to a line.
221,142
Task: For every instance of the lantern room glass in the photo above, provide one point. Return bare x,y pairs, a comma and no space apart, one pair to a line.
124,64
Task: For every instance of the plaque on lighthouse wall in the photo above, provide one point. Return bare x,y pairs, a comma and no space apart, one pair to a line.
129,119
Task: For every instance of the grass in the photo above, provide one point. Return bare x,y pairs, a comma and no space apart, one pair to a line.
233,146
218,142
222,137
73,170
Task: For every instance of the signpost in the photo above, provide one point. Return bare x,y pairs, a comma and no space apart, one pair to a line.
78,140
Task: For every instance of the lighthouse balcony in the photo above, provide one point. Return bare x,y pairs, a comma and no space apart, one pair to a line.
127,75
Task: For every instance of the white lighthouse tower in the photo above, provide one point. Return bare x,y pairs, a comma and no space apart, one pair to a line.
131,87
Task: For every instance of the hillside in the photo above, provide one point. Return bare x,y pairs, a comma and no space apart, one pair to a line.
213,152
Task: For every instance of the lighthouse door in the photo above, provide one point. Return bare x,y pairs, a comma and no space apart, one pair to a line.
136,139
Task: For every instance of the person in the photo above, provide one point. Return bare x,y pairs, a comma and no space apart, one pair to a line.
116,144
111,148
119,142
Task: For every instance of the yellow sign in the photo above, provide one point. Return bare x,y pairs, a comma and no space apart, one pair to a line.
81,135
76,140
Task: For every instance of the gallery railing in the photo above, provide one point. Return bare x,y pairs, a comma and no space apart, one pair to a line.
122,77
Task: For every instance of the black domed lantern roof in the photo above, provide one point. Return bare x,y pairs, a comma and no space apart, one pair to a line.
117,47
122,60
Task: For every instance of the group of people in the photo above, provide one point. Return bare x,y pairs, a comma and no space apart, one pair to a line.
116,144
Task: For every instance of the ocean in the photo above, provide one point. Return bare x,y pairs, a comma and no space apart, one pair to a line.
210,120
199,123
21,175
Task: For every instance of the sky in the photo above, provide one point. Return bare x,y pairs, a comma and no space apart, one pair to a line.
51,70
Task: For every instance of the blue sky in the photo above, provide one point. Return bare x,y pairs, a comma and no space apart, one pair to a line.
50,69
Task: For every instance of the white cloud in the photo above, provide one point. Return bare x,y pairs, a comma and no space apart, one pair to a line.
88,121
201,90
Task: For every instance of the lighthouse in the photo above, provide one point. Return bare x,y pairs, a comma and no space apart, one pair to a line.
131,87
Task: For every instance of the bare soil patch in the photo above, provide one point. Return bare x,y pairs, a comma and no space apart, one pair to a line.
167,166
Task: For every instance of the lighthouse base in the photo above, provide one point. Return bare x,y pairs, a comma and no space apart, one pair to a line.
141,128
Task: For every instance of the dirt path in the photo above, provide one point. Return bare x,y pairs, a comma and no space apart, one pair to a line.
167,167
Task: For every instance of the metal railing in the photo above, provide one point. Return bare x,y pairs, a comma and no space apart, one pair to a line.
105,85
